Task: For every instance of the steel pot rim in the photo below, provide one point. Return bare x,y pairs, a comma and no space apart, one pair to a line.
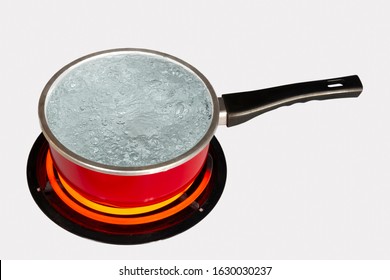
118,170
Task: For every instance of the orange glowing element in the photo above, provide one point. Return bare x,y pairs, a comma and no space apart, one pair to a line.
116,210
121,220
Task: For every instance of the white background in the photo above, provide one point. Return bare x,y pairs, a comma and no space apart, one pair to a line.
309,181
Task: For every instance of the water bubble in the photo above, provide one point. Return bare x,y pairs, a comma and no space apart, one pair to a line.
154,83
179,108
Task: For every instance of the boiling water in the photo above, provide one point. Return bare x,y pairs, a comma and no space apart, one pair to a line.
129,109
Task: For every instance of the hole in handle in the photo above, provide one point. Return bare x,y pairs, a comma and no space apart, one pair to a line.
335,83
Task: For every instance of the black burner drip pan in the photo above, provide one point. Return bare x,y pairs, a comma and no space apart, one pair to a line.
63,215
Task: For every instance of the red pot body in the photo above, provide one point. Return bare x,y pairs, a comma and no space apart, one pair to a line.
129,191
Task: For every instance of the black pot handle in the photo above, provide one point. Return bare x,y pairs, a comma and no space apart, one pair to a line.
241,107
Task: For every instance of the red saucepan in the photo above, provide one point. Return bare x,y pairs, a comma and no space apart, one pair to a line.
133,186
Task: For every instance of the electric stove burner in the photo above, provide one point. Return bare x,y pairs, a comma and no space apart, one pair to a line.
70,210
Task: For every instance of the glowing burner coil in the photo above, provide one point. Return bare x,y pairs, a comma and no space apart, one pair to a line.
110,224
105,208
125,220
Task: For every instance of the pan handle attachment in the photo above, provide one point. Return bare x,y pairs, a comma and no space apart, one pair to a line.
236,108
